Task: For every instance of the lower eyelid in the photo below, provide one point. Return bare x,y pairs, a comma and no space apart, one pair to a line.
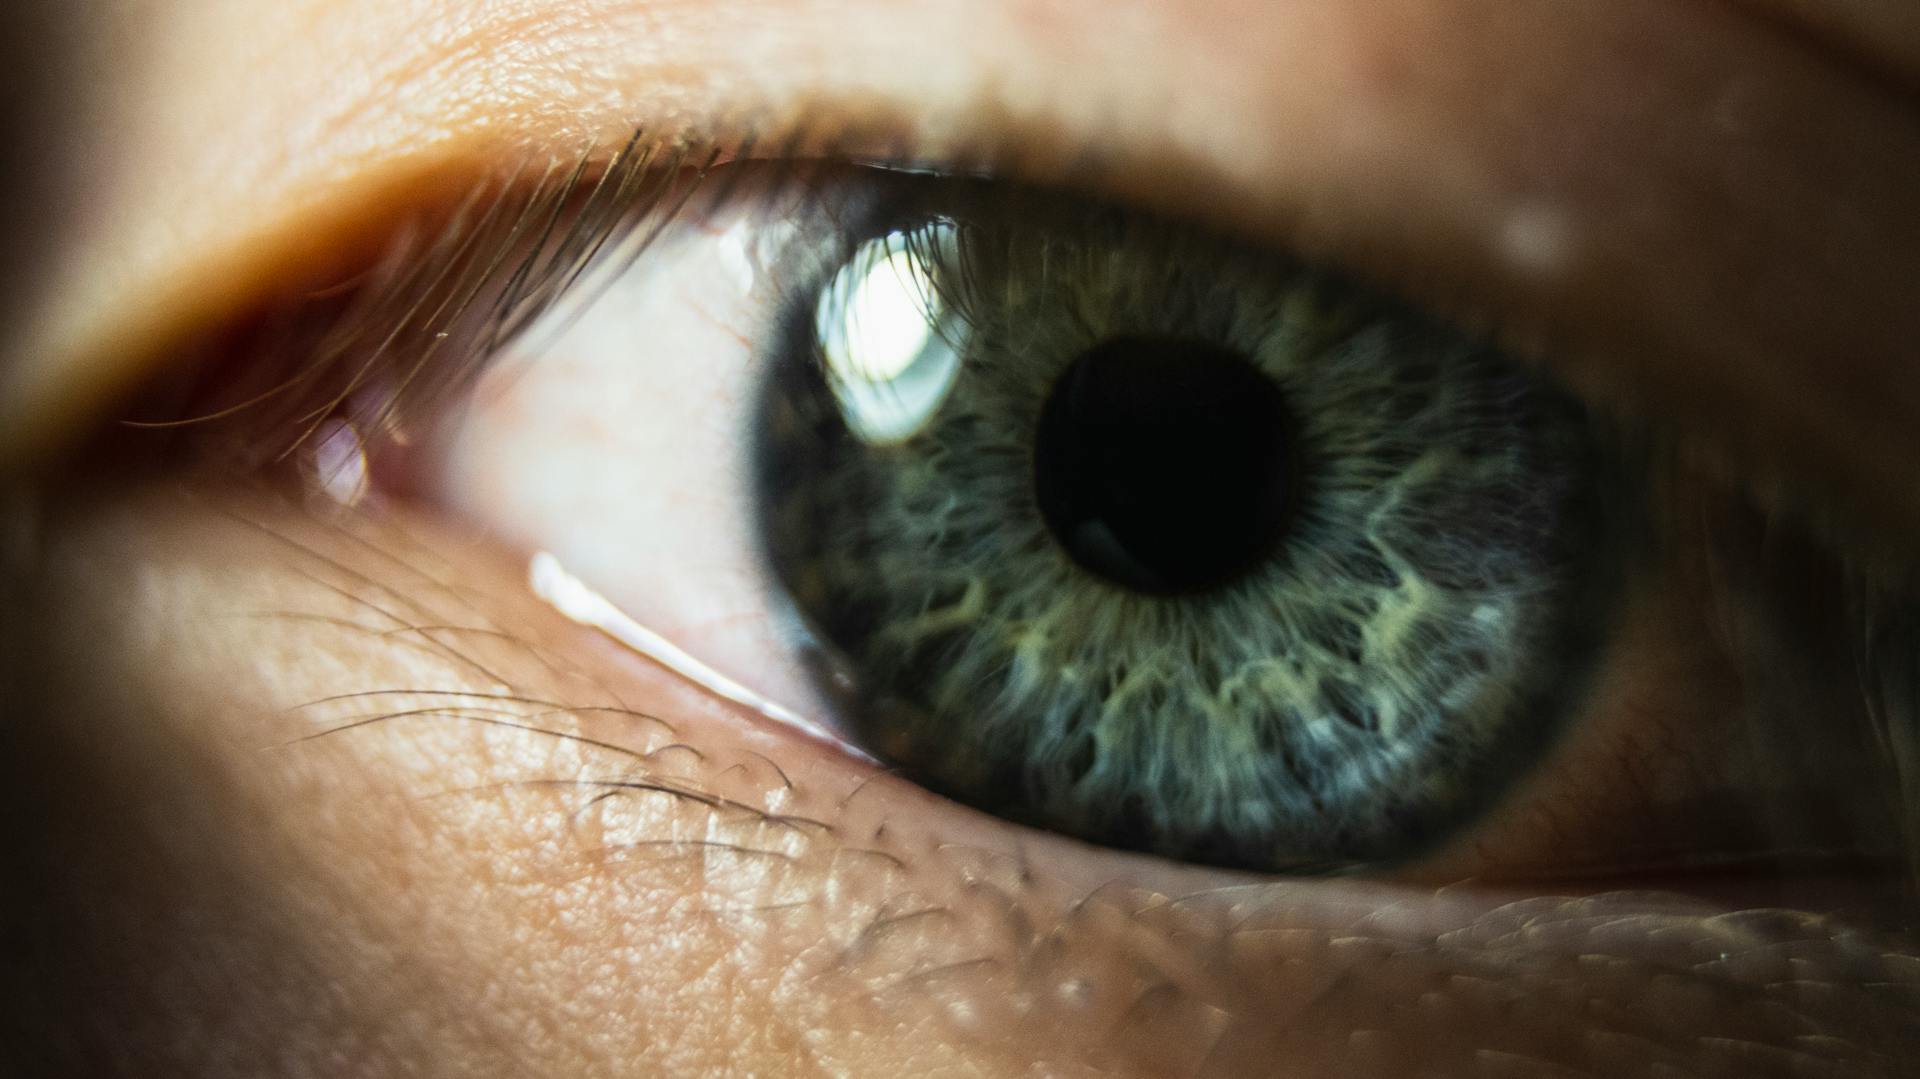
885,909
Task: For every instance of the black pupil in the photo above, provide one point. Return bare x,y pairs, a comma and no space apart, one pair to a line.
1164,464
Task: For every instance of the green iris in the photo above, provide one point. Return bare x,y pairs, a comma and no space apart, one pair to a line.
1122,529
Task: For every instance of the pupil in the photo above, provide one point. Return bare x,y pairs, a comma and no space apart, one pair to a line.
1164,464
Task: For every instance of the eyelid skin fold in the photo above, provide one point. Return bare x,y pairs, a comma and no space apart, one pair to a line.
1669,229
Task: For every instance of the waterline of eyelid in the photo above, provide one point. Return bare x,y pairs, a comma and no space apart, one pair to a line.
567,594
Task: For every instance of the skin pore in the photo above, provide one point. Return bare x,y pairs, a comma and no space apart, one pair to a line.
1705,212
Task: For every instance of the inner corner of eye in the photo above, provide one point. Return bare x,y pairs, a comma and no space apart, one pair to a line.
1092,520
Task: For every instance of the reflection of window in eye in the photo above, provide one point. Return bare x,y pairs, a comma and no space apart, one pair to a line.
778,903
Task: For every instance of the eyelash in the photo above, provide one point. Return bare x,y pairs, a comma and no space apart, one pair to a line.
400,335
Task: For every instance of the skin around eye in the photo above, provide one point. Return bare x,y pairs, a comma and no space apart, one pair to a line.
602,843
519,850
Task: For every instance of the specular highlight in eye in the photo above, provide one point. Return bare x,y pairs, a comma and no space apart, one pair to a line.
1195,550
881,329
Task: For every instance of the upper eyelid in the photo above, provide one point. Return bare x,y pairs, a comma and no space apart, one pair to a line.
1364,178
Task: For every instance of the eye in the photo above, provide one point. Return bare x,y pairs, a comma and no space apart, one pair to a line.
1091,519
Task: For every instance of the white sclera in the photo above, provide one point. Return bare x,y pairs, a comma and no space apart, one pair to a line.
618,437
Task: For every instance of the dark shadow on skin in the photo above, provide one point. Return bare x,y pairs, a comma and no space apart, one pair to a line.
46,54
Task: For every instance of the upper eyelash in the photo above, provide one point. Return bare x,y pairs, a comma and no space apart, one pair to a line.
450,288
